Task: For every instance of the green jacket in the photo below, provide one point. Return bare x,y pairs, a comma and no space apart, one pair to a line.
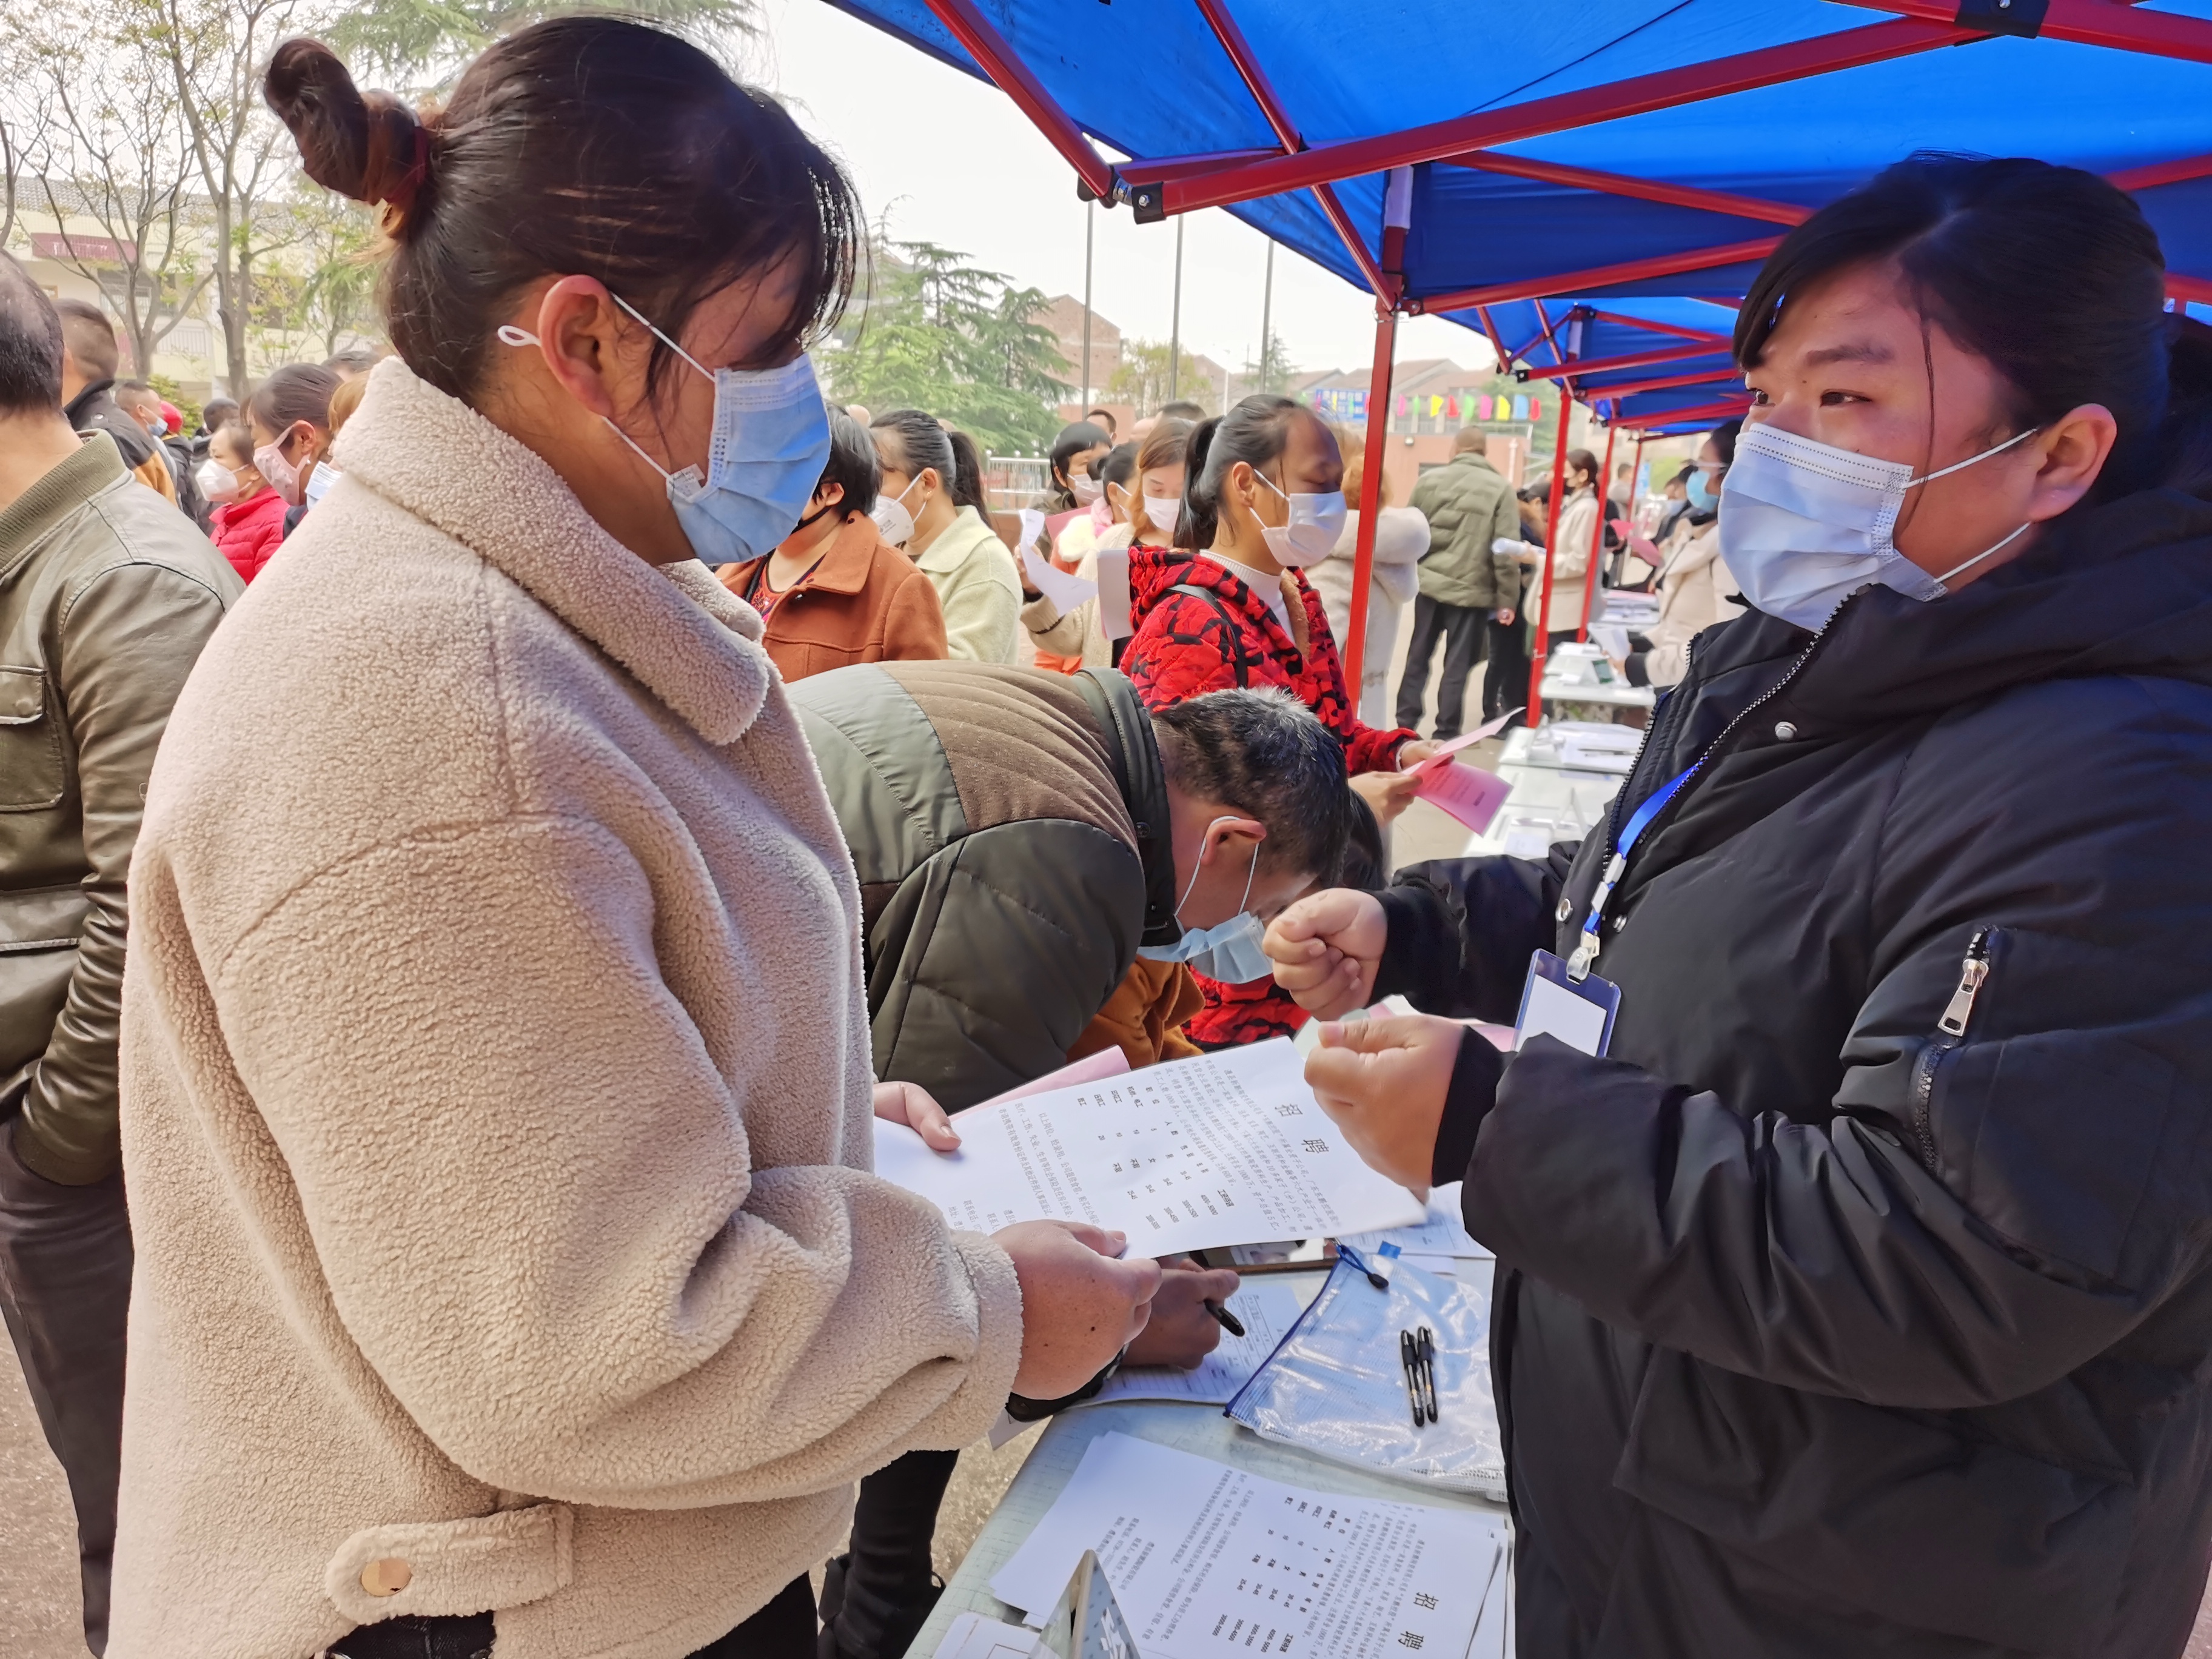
107,592
1468,505
1010,831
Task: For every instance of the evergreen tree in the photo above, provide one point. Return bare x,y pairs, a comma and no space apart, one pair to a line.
936,333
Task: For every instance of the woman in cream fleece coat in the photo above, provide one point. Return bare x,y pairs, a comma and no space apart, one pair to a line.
497,1087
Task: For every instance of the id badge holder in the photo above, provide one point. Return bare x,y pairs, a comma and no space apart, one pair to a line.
1579,1014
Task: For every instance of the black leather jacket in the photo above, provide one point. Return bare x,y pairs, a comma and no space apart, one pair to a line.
106,594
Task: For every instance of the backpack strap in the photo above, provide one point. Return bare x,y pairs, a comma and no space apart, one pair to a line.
1243,661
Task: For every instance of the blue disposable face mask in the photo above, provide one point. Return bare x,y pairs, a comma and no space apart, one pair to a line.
1229,951
764,456
1700,493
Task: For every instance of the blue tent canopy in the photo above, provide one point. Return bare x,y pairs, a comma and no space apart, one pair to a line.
1615,167
1569,151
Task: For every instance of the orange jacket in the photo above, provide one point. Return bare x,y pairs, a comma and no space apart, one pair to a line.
864,602
1144,1015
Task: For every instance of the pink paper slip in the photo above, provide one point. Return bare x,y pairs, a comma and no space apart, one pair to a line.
1469,794
1107,1062
1445,751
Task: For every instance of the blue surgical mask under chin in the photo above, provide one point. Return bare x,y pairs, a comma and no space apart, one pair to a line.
764,456
1229,951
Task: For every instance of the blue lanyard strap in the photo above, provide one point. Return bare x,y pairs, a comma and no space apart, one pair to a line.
1579,966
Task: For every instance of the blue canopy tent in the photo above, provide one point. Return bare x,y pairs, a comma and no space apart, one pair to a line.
1608,168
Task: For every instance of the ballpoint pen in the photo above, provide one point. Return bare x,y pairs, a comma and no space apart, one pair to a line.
1425,1348
1410,1363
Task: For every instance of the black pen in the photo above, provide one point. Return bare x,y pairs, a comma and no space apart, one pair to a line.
1410,1363
1426,1348
1228,1321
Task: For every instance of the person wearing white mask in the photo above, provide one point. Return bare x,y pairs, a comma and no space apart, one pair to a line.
511,1275
918,508
289,416
1847,1182
1264,500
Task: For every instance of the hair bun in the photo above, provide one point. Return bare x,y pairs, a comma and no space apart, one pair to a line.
369,147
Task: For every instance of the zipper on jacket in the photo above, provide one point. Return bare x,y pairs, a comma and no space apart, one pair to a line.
1712,749
1957,1015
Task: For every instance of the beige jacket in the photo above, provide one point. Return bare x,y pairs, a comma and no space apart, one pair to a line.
977,588
1401,536
1696,590
1577,520
495,1101
1077,633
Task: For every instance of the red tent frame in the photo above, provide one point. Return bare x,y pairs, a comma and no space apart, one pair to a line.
1157,186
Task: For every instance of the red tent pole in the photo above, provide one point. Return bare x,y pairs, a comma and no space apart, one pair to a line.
1551,546
1397,215
1370,495
1595,573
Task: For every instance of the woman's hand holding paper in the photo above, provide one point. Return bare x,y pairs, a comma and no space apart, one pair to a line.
1080,1304
1384,1083
913,1105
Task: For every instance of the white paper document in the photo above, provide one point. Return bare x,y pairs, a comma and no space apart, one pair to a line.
1267,1308
1065,591
1441,1233
1227,1148
1207,1561
974,1636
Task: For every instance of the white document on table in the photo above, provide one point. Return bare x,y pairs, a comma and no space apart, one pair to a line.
1208,1561
1065,591
974,1636
1267,1308
1441,1233
1226,1148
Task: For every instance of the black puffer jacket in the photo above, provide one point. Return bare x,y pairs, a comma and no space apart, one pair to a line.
1825,1329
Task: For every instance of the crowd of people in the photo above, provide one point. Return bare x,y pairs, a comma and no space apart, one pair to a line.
478,947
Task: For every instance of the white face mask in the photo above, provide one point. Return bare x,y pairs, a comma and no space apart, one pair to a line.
1085,489
1804,524
218,483
1229,951
1310,536
1160,513
893,522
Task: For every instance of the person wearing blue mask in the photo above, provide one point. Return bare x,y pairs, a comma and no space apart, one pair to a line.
1849,1178
510,1274
1694,586
1039,859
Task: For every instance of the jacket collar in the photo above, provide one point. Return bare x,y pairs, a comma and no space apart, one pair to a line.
1143,785
2124,588
1482,461
685,636
67,486
956,543
89,402
845,563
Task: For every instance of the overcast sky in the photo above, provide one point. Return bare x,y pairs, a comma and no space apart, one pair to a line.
954,162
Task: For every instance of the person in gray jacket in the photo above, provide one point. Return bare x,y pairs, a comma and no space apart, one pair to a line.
1020,838
106,595
1468,591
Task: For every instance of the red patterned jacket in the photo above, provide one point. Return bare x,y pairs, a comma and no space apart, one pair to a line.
1186,644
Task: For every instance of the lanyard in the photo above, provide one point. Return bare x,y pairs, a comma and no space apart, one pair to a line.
1579,966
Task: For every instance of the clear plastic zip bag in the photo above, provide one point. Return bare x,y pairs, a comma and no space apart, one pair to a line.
1335,1387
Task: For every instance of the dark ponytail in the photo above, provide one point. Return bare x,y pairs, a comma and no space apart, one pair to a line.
2051,274
538,165
967,483
1255,432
